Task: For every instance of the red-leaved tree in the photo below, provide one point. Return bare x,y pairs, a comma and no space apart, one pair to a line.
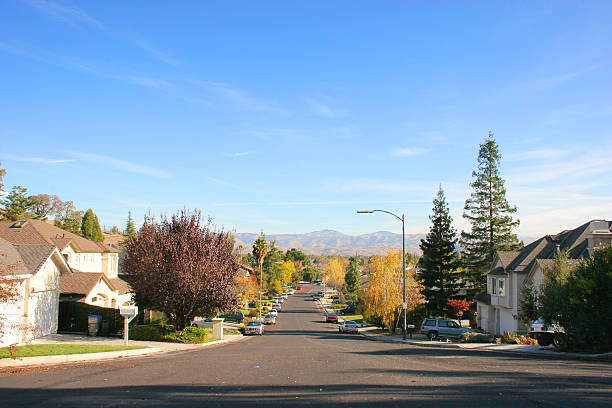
456,307
182,268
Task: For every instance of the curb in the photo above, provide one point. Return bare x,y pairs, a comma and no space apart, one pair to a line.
71,358
591,357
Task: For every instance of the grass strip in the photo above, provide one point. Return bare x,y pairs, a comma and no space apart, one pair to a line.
35,350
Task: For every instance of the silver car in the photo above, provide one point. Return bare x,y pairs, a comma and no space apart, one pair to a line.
254,327
348,326
435,328
269,319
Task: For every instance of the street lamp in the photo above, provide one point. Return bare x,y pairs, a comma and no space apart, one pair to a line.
404,305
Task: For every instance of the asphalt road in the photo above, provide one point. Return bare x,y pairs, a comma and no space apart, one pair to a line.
303,361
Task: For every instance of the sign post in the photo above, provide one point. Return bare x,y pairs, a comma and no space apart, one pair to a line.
128,313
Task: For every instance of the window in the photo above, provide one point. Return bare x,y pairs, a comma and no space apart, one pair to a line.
94,299
502,287
494,286
443,323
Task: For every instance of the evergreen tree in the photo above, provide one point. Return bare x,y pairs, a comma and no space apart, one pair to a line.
130,228
490,215
18,205
438,264
90,227
352,281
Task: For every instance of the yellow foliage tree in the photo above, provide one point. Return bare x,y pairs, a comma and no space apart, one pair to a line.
275,287
246,288
334,273
382,297
287,272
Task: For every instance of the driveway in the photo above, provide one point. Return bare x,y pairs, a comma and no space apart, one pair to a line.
303,361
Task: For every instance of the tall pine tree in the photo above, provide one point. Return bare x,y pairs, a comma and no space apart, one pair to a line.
130,228
90,227
439,263
352,281
490,215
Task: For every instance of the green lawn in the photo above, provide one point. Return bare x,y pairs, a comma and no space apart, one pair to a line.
339,306
62,349
356,318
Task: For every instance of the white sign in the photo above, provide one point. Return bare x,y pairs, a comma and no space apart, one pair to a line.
128,311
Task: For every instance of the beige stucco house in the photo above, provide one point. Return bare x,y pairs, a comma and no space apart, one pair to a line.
35,272
95,265
512,270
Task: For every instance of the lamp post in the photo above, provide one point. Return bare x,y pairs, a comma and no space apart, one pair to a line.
404,305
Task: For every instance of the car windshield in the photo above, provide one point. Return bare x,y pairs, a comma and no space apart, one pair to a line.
350,323
254,324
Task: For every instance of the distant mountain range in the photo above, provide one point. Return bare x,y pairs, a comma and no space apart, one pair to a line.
330,242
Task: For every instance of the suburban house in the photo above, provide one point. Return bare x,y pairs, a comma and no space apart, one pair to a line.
95,266
511,271
35,271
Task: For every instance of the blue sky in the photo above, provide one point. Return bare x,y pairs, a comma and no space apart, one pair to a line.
288,116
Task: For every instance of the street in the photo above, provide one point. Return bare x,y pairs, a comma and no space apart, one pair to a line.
304,361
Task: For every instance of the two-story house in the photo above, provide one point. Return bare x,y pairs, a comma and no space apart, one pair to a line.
95,266
511,271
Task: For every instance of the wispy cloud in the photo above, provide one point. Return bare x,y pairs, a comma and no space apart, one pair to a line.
69,15
221,182
320,109
409,151
154,83
238,154
122,164
230,95
558,79
538,154
76,17
313,203
43,160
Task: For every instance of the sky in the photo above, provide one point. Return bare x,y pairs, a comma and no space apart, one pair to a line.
288,116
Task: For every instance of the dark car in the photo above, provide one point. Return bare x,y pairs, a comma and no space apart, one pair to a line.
435,328
233,317
350,309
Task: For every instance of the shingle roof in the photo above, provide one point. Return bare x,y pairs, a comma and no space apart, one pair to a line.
36,232
11,262
483,298
574,242
79,283
34,256
506,257
122,286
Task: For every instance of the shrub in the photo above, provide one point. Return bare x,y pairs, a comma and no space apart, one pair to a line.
473,337
188,335
253,313
149,332
511,338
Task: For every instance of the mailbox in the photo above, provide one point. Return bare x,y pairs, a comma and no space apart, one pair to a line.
128,311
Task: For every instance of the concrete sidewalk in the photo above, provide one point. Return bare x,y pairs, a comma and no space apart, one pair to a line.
151,348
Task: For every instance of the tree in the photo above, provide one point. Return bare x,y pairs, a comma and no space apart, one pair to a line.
2,174
68,218
352,281
299,258
333,274
44,205
182,268
247,287
381,299
260,249
130,228
457,307
490,215
310,273
438,264
18,205
90,227
287,272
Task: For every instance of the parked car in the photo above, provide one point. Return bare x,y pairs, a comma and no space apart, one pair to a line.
290,292
273,312
233,317
320,294
276,307
435,328
298,288
269,319
348,326
350,309
331,318
543,333
203,324
254,327
284,296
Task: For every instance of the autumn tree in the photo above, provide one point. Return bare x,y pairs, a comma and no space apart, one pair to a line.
68,218
456,307
90,227
490,215
182,267
352,281
44,205
247,287
381,300
287,272
2,174
333,274
439,263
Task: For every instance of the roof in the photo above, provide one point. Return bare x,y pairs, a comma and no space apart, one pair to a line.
122,286
81,283
483,298
26,259
498,272
36,232
574,242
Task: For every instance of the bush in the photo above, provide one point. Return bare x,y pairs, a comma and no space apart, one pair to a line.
189,335
253,313
473,337
164,332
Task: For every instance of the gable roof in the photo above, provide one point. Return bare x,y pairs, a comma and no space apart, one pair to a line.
36,232
27,259
574,242
81,283
122,286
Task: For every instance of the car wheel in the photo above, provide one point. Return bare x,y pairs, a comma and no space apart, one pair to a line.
432,335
